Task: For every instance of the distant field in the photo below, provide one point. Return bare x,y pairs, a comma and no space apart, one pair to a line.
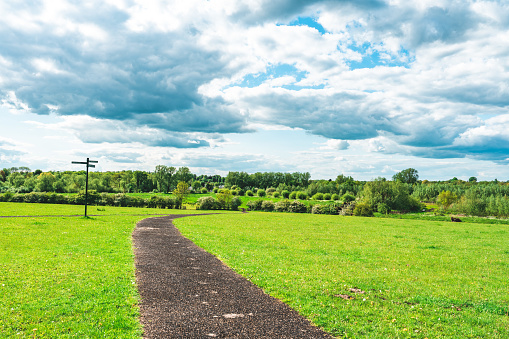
370,277
68,276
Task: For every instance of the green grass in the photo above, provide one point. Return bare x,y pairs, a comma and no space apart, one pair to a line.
422,279
68,276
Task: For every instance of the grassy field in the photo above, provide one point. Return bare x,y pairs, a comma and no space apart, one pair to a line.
369,277
68,276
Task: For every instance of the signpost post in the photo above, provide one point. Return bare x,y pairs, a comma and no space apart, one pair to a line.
88,162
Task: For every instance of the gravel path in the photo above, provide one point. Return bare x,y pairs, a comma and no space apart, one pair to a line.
188,293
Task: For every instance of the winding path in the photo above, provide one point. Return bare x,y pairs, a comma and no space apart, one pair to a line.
188,293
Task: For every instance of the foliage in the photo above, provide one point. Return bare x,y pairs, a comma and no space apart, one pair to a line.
327,196
255,205
261,193
446,199
363,210
181,193
394,194
347,197
276,194
293,195
317,196
267,206
225,196
302,195
207,203
335,197
235,203
285,194
204,190
384,208
249,193
408,176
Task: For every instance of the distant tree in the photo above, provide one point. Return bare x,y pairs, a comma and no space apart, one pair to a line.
45,182
163,177
409,176
196,186
446,199
183,174
181,192
472,179
225,197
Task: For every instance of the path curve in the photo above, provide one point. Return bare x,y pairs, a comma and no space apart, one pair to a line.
189,293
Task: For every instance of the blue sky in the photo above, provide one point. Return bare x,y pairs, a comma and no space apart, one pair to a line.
362,88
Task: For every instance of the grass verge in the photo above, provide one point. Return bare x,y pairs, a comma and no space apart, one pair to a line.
370,277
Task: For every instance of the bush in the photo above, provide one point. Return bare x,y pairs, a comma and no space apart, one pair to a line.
7,196
255,205
261,193
204,190
293,195
249,193
270,190
235,203
215,190
363,210
282,206
276,194
318,196
207,203
234,192
267,206
327,196
317,209
106,199
347,197
120,200
335,197
297,207
302,195
285,194
384,208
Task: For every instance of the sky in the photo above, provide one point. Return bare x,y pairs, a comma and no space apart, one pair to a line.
364,88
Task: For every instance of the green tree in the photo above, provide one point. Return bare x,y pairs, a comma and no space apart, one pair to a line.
472,179
45,182
183,174
164,177
225,197
408,176
446,199
181,192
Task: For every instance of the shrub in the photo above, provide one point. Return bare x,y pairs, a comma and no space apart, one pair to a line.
317,209
332,208
249,193
302,195
297,207
276,194
383,208
267,206
285,194
7,196
241,192
327,196
270,190
17,198
318,196
234,192
207,203
204,190
215,190
255,205
282,206
120,200
261,193
293,195
363,210
347,197
235,203
335,197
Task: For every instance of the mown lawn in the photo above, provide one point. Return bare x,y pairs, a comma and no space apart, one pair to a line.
369,277
68,276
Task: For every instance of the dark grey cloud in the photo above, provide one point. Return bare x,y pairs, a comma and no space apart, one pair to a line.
284,10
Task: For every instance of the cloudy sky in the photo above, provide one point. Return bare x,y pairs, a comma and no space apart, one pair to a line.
361,87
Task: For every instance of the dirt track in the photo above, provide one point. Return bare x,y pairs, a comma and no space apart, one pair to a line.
188,293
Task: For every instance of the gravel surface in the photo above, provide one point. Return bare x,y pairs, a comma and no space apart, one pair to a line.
188,293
